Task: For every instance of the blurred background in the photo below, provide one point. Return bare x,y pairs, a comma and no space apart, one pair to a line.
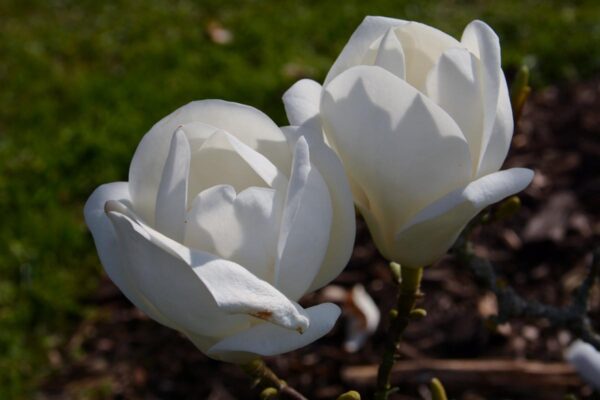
82,81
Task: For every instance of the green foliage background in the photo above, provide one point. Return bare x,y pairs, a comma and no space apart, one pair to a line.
82,81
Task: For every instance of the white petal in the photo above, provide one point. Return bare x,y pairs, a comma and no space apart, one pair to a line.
343,225
482,41
363,319
502,132
248,124
422,46
242,228
269,340
435,228
398,146
201,293
457,75
390,55
370,29
223,159
302,102
171,201
586,360
305,226
107,246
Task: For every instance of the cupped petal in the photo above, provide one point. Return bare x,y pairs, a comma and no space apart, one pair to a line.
269,340
457,74
390,55
343,224
400,148
305,226
201,293
224,159
370,29
171,201
434,229
302,102
422,46
483,42
247,124
107,245
242,228
502,132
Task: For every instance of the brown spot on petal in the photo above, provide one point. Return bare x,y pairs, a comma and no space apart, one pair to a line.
266,315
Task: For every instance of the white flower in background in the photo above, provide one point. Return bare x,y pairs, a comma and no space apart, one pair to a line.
422,123
226,221
586,360
363,318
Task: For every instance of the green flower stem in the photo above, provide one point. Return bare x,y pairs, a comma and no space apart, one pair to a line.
408,293
265,377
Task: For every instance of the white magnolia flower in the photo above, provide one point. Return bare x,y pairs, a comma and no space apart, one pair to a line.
586,360
226,221
422,123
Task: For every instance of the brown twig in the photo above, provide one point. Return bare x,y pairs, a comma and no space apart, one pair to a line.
265,377
511,305
471,372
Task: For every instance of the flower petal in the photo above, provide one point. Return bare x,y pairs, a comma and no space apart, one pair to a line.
201,293
171,201
269,340
242,228
343,225
397,145
586,360
370,29
248,124
107,245
305,226
482,41
435,228
390,55
457,73
223,159
302,102
422,46
494,154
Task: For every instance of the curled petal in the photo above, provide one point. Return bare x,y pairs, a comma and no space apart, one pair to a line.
197,289
107,245
434,229
343,225
482,41
302,102
270,340
305,226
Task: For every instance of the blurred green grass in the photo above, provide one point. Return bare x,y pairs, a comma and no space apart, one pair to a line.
82,81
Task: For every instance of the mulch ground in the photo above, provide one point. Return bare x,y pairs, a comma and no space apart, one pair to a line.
542,251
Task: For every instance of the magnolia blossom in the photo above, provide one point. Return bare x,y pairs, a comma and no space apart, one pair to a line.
422,123
586,360
226,221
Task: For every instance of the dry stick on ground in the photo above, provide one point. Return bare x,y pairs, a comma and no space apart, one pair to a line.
469,373
574,317
264,377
